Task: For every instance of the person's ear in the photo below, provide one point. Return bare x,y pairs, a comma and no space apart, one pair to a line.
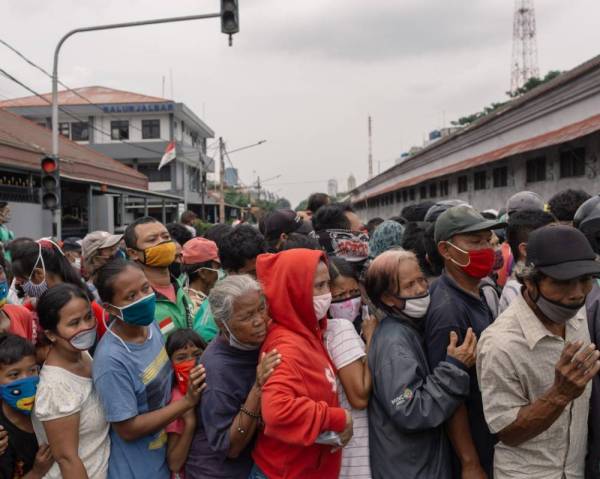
443,249
523,250
50,335
135,255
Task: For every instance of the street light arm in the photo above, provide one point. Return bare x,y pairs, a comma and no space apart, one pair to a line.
246,147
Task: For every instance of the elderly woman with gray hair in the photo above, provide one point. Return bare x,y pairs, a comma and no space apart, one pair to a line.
229,411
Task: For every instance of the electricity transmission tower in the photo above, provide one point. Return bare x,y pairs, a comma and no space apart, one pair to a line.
524,52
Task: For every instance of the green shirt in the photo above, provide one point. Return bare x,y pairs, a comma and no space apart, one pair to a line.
171,316
6,234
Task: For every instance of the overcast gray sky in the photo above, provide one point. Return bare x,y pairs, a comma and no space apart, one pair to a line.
303,74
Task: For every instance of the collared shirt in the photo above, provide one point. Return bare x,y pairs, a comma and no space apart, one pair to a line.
454,309
516,357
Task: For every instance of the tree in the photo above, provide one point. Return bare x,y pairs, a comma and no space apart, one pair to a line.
532,83
302,205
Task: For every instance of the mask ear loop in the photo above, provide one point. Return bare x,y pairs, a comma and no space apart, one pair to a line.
40,259
462,251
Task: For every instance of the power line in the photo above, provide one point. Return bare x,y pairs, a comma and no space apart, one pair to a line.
87,100
66,112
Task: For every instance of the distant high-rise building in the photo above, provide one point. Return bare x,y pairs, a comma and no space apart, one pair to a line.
332,188
351,182
231,177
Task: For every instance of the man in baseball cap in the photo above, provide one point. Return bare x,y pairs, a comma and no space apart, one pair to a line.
457,304
277,225
97,248
536,363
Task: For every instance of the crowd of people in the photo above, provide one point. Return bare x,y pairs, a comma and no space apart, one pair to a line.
443,342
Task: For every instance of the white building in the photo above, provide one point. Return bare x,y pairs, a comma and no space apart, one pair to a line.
351,182
545,141
134,129
332,188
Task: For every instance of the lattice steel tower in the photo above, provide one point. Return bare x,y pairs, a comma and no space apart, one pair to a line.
524,53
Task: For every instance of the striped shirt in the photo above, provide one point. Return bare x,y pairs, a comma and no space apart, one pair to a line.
345,346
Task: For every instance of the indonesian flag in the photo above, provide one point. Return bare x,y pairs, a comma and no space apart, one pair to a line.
170,154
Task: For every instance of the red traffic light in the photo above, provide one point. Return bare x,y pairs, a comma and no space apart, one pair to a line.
49,165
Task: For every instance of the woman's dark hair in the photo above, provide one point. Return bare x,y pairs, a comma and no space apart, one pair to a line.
217,232
341,267
373,223
417,211
26,257
435,261
181,338
242,244
564,204
105,277
316,201
297,240
13,348
413,240
53,300
332,217
179,233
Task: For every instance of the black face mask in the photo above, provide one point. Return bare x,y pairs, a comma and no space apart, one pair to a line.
175,269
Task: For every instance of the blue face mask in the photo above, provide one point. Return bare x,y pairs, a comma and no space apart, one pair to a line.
20,394
140,312
3,292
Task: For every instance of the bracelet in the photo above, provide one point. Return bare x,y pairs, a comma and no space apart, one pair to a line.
250,413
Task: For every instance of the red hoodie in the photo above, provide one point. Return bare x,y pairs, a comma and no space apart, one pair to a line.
299,401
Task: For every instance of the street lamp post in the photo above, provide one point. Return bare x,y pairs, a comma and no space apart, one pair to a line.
56,226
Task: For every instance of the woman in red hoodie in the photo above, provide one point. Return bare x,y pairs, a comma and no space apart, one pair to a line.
304,427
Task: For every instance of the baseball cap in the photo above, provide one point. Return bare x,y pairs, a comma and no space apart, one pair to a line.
461,220
280,221
199,250
98,240
524,200
561,252
436,210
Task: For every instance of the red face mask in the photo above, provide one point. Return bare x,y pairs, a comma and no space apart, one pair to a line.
481,261
182,374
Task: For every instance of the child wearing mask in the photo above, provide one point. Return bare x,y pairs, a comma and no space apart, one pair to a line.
67,404
133,375
184,347
349,355
18,382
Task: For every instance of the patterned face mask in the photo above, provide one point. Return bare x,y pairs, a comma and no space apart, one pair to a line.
350,245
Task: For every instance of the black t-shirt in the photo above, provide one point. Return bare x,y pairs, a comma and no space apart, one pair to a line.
453,309
20,455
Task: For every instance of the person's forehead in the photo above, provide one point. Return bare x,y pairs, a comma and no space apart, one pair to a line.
24,363
148,229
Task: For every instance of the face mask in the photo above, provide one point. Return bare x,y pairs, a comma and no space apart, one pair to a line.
236,343
160,256
556,312
182,374
140,312
416,307
83,340
36,290
20,394
321,304
221,274
481,261
347,309
3,293
77,264
175,269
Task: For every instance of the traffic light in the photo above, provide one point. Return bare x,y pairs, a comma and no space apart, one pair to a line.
50,183
230,17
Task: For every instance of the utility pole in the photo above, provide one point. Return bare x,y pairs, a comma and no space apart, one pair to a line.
222,181
524,54
370,152
202,181
258,189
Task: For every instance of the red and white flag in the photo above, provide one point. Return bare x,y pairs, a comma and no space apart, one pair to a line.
170,154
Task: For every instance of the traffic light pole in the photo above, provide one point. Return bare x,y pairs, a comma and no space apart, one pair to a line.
56,221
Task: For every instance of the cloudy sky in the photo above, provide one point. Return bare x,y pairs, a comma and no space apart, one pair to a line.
302,74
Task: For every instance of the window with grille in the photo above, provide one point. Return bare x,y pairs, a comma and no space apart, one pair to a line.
536,169
500,176
423,192
463,184
119,130
479,181
444,188
80,131
150,129
572,163
433,190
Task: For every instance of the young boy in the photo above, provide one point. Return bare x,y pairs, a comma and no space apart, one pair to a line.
18,383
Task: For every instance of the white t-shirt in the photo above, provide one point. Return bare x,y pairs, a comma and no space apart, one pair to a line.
61,393
344,347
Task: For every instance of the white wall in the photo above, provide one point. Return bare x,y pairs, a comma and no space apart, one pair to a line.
135,126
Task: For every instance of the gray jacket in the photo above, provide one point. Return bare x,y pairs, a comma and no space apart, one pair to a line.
410,404
592,306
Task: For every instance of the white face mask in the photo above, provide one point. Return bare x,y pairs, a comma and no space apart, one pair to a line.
321,305
77,264
347,309
416,308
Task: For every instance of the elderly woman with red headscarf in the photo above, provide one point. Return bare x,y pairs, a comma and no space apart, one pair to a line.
304,427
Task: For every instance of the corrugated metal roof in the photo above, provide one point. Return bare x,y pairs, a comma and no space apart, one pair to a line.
95,94
23,143
555,137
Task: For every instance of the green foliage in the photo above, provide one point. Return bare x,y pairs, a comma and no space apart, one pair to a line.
529,85
302,205
201,227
